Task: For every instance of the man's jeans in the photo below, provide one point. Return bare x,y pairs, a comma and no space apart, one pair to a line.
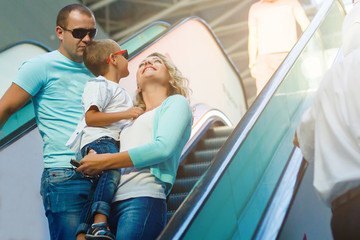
105,186
138,218
65,194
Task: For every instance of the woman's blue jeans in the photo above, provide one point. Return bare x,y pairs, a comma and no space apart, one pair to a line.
105,186
138,218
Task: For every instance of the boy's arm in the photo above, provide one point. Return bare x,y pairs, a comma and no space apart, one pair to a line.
95,118
14,99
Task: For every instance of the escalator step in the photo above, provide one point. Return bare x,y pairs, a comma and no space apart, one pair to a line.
175,200
203,156
212,143
222,131
182,185
193,169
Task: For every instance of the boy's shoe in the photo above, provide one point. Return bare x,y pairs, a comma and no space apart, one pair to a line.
99,231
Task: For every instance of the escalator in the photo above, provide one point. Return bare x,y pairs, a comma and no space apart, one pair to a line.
198,154
230,179
194,166
257,184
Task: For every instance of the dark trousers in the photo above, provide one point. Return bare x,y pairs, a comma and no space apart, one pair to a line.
345,222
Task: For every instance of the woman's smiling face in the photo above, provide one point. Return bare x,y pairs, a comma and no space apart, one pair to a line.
152,69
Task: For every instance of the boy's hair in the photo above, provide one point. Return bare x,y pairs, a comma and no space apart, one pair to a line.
63,14
96,54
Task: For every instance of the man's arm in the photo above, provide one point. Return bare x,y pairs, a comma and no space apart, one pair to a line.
305,134
95,118
13,100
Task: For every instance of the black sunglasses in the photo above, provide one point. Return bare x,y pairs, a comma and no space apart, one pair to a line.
80,33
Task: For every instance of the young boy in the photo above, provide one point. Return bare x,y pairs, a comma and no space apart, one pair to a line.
106,106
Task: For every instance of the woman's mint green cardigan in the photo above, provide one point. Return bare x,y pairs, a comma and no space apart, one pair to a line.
172,128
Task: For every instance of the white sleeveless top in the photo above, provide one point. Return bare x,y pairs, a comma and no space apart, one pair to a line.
138,182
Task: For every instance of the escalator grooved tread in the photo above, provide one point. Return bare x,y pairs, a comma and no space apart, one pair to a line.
184,185
193,169
195,165
212,143
203,155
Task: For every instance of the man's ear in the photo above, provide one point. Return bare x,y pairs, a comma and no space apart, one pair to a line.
59,33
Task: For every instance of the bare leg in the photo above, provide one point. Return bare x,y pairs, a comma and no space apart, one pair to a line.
80,236
99,218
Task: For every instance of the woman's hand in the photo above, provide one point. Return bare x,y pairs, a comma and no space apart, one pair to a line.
93,163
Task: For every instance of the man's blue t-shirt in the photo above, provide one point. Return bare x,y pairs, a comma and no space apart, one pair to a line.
56,84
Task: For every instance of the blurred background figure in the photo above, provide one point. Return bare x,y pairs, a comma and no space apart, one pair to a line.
272,34
351,29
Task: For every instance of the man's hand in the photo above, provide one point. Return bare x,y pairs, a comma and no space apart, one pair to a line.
295,140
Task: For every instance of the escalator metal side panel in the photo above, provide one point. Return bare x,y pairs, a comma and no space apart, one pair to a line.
196,204
203,117
285,194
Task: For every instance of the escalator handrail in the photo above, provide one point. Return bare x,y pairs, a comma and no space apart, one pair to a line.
32,42
166,24
141,48
204,117
188,210
31,124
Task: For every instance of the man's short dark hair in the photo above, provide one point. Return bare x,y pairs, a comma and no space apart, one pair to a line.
63,14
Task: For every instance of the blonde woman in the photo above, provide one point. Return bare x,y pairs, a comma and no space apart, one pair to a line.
150,151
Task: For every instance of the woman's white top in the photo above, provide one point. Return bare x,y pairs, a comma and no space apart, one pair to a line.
138,182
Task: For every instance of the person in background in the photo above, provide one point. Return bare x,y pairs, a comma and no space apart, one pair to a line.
272,34
55,82
107,109
150,151
351,29
329,133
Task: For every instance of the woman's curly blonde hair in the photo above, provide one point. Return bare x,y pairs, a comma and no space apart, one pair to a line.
178,83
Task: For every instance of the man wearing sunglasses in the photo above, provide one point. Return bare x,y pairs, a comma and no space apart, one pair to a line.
55,83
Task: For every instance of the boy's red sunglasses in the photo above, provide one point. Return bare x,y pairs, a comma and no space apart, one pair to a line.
123,52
